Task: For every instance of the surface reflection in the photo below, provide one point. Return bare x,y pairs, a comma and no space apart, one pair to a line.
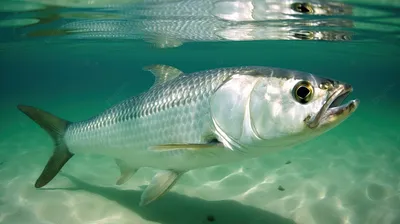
170,23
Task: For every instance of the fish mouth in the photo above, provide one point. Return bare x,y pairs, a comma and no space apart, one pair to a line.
334,109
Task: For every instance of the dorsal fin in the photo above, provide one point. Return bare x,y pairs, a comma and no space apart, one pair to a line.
163,73
164,42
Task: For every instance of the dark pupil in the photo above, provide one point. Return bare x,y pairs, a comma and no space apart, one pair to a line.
302,92
302,8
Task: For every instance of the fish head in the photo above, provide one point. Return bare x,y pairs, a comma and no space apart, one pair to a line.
274,108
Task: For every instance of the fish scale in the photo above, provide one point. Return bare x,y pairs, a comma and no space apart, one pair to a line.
179,113
189,121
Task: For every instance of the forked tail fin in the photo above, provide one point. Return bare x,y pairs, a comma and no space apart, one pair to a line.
56,128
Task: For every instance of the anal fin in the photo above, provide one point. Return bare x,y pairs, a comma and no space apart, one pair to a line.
159,185
125,170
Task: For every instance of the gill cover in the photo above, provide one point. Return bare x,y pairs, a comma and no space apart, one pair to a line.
275,110
230,111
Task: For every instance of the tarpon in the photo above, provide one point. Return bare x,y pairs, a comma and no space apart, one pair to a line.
202,119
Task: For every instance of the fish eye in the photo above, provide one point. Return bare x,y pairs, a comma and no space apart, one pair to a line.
302,7
303,92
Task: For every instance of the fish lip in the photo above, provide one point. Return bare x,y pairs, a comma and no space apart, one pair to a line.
342,95
333,105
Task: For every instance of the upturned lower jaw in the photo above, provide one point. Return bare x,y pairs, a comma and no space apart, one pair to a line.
327,111
345,109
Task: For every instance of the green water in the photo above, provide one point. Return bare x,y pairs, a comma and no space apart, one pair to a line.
349,175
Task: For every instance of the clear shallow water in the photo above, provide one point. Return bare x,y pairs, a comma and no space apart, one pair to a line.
348,175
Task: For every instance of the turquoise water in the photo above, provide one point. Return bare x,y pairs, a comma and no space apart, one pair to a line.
349,175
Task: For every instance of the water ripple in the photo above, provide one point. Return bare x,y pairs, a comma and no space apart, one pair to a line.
166,23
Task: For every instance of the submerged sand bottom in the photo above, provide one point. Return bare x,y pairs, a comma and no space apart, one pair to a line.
349,175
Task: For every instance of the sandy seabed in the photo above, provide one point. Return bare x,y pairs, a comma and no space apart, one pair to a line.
349,175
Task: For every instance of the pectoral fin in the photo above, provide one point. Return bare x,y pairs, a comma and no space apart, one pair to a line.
125,170
172,147
159,185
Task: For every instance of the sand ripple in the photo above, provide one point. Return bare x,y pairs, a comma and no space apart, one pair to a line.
348,176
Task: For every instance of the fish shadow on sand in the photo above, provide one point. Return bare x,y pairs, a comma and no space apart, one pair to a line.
175,208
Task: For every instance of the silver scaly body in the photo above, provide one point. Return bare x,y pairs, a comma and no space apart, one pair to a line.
173,113
189,121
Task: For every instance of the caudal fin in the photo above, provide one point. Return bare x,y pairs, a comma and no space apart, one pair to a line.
56,128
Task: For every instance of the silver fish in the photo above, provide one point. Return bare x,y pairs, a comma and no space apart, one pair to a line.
207,118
